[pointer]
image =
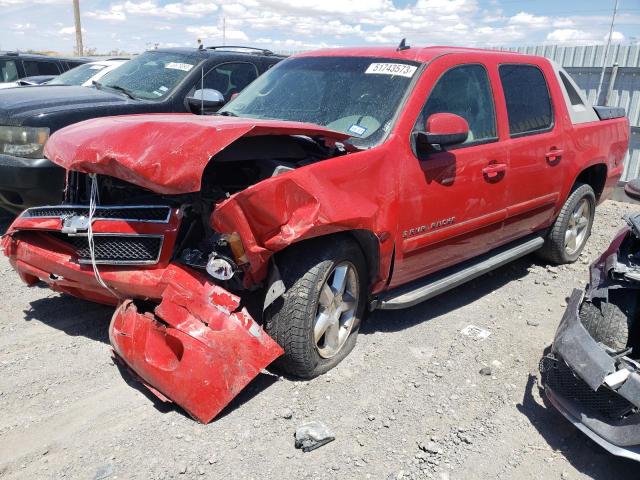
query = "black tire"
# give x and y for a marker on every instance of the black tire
(290, 319)
(611, 322)
(554, 250)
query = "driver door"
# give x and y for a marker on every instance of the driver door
(453, 199)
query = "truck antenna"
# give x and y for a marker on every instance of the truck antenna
(403, 45)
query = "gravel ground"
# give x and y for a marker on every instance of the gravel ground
(409, 402)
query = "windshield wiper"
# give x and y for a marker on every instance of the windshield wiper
(124, 90)
(227, 113)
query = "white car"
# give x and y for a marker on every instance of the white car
(87, 73)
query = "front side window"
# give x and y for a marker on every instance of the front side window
(358, 96)
(229, 78)
(151, 75)
(465, 91)
(8, 71)
(527, 97)
(33, 68)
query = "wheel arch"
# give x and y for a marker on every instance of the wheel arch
(368, 242)
(595, 176)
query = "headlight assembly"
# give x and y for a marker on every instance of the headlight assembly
(25, 142)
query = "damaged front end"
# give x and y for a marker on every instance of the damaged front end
(592, 374)
(137, 230)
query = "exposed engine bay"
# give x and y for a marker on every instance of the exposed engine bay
(246, 162)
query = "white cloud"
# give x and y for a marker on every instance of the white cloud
(185, 9)
(616, 37)
(234, 9)
(69, 31)
(115, 13)
(563, 23)
(215, 33)
(9, 3)
(291, 45)
(447, 7)
(529, 20)
(572, 36)
(22, 27)
(300, 24)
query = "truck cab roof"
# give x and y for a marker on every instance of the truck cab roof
(417, 54)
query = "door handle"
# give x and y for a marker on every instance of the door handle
(494, 169)
(554, 155)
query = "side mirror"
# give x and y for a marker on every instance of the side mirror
(205, 100)
(444, 129)
(632, 189)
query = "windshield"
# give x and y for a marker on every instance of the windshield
(78, 75)
(354, 95)
(151, 75)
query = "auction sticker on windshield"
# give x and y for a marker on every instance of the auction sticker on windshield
(179, 66)
(392, 69)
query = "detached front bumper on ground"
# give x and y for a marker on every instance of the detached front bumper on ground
(186, 338)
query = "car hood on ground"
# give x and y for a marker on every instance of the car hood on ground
(19, 104)
(166, 153)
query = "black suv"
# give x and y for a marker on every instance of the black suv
(15, 66)
(158, 81)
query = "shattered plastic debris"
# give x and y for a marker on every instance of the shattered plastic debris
(313, 435)
(477, 332)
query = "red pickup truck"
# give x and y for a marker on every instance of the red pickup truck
(338, 182)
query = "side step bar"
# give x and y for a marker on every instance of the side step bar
(437, 283)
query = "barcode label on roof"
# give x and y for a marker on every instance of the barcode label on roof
(392, 69)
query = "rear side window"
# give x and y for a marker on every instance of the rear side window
(32, 68)
(230, 78)
(8, 71)
(464, 91)
(527, 97)
(69, 64)
(574, 97)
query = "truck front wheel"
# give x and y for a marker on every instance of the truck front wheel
(316, 320)
(572, 228)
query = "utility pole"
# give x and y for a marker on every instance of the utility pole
(76, 14)
(606, 50)
(224, 31)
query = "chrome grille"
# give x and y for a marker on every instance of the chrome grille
(137, 213)
(117, 249)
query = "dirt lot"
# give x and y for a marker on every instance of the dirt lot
(408, 403)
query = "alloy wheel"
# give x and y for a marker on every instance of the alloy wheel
(578, 227)
(337, 306)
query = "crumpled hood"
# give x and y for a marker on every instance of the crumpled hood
(166, 153)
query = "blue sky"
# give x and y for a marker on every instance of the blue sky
(291, 25)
